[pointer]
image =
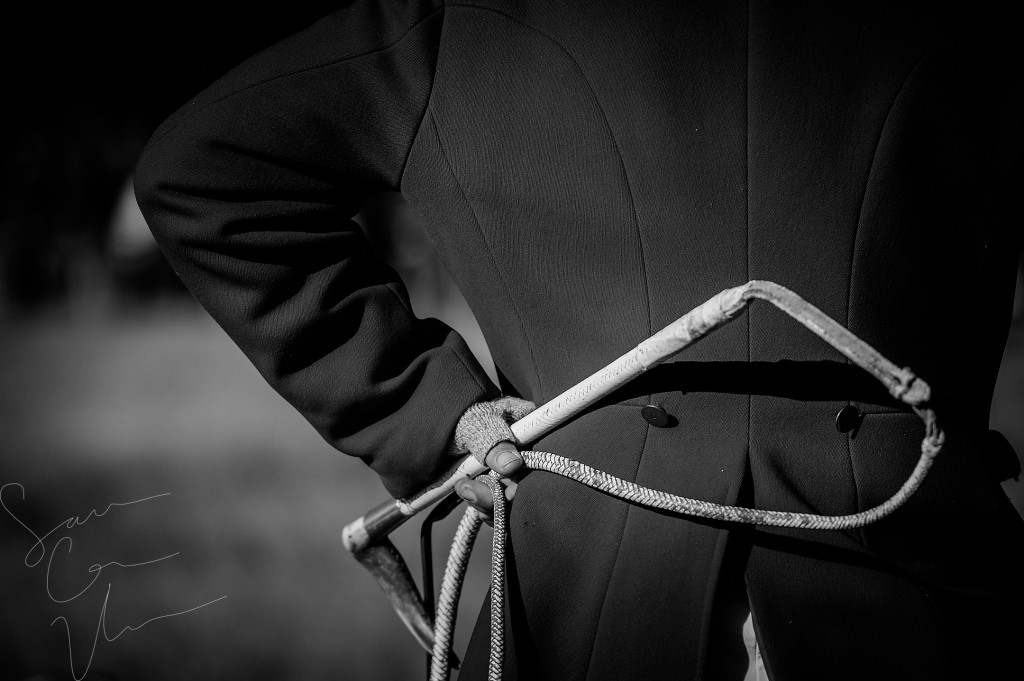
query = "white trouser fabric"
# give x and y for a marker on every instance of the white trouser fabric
(755, 666)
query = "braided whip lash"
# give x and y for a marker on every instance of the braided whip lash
(901, 382)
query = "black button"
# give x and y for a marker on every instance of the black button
(847, 418)
(656, 416)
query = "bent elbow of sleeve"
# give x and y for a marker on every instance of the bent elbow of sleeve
(153, 177)
(150, 182)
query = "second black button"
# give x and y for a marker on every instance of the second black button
(847, 418)
(656, 416)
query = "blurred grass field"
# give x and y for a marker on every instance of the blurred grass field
(115, 408)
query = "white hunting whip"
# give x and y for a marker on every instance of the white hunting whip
(367, 539)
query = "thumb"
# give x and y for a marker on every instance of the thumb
(504, 458)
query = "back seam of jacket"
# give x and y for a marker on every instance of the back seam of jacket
(749, 468)
(746, 201)
(506, 289)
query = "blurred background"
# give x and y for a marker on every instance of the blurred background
(116, 387)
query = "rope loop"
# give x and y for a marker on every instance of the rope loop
(451, 586)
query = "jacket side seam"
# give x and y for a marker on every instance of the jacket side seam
(611, 135)
(429, 99)
(490, 254)
(858, 496)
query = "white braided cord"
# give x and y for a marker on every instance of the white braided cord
(931, 445)
(630, 491)
(494, 667)
(451, 588)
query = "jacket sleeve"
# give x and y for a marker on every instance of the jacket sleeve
(250, 190)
